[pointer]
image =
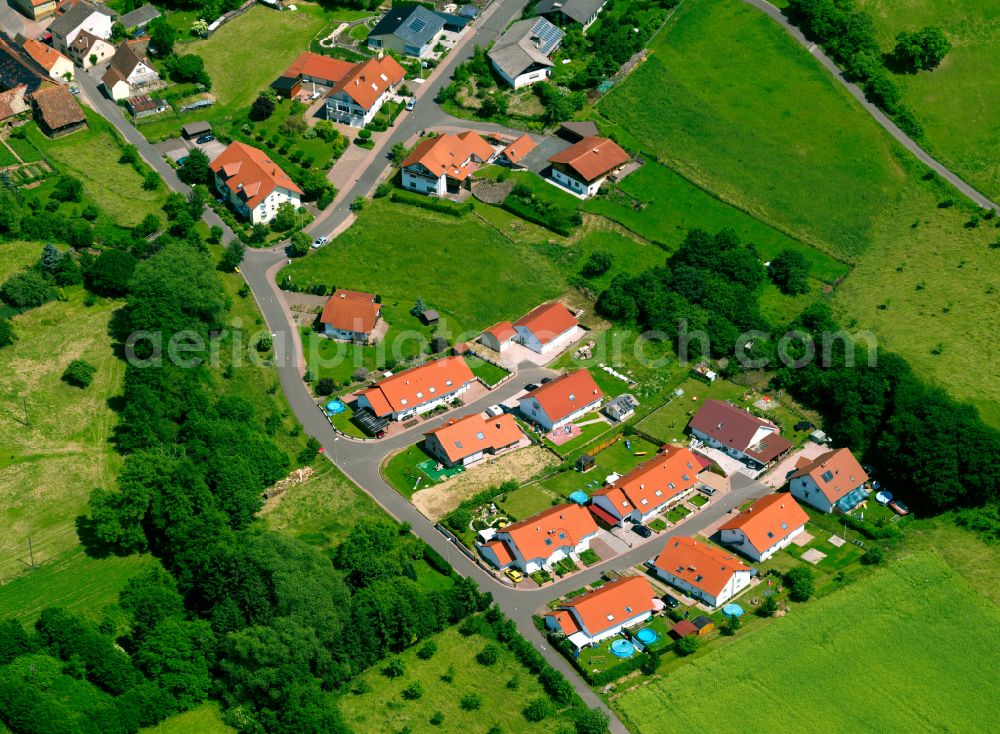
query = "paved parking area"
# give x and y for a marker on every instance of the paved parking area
(779, 474)
(177, 148)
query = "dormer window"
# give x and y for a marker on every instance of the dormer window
(480, 435)
(659, 493)
(402, 401)
(419, 394)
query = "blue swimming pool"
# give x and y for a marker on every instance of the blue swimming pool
(622, 649)
(647, 636)
(335, 406)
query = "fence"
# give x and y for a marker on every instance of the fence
(231, 15)
(470, 555)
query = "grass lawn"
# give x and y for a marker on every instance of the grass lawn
(955, 102)
(92, 156)
(820, 171)
(381, 708)
(486, 371)
(402, 473)
(668, 423)
(698, 500)
(24, 149)
(205, 719)
(470, 261)
(321, 511)
(6, 156)
(918, 614)
(678, 513)
(527, 501)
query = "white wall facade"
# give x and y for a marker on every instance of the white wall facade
(583, 637)
(344, 335)
(558, 553)
(343, 109)
(574, 185)
(737, 583)
(806, 489)
(423, 183)
(97, 24)
(409, 412)
(533, 410)
(739, 540)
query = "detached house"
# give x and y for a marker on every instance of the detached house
(547, 328)
(649, 489)
(351, 316)
(542, 539)
(82, 17)
(513, 155)
(702, 571)
(604, 612)
(130, 74)
(767, 526)
(562, 401)
(36, 9)
(311, 68)
(360, 94)
(88, 50)
(739, 433)
(418, 389)
(411, 30)
(252, 183)
(441, 165)
(831, 481)
(55, 64)
(521, 55)
(583, 167)
(571, 12)
(466, 440)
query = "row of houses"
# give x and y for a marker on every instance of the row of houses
(27, 83)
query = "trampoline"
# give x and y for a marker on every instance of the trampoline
(647, 636)
(335, 406)
(622, 649)
(732, 610)
(579, 496)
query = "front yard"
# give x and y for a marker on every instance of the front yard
(486, 371)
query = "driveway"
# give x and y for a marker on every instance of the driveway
(14, 23)
(177, 148)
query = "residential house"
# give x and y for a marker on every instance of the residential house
(702, 571)
(253, 184)
(521, 55)
(602, 613)
(138, 19)
(832, 481)
(499, 336)
(464, 441)
(312, 69)
(82, 17)
(129, 74)
(14, 101)
(765, 527)
(649, 489)
(351, 316)
(513, 155)
(408, 393)
(542, 539)
(443, 164)
(583, 167)
(546, 329)
(144, 106)
(55, 64)
(87, 50)
(56, 111)
(411, 30)
(571, 12)
(742, 435)
(360, 94)
(562, 400)
(36, 9)
(18, 68)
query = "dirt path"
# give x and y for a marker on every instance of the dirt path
(437, 501)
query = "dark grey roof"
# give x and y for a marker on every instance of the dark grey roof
(524, 44)
(72, 18)
(139, 16)
(196, 128)
(414, 24)
(578, 10)
(578, 130)
(17, 67)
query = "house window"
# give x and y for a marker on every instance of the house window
(420, 394)
(644, 502)
(686, 478)
(480, 435)
(659, 493)
(402, 401)
(628, 610)
(548, 541)
(671, 485)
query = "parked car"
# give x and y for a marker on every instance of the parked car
(514, 575)
(181, 161)
(319, 242)
(494, 410)
(546, 379)
(641, 530)
(410, 104)
(899, 507)
(670, 601)
(531, 386)
(205, 139)
(710, 491)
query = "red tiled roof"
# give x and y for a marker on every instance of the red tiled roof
(567, 622)
(613, 604)
(319, 67)
(502, 331)
(366, 82)
(448, 153)
(703, 566)
(417, 385)
(548, 321)
(475, 433)
(603, 515)
(502, 552)
(567, 394)
(44, 55)
(659, 480)
(351, 311)
(248, 172)
(592, 157)
(684, 628)
(836, 473)
(768, 520)
(561, 525)
(519, 148)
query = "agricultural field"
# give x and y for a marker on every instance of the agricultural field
(376, 703)
(916, 627)
(955, 103)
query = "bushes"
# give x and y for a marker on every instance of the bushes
(79, 373)
(429, 202)
(800, 583)
(489, 655)
(538, 709)
(27, 289)
(413, 691)
(436, 561)
(427, 650)
(534, 210)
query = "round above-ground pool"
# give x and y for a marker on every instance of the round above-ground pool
(732, 610)
(579, 496)
(647, 636)
(622, 649)
(335, 406)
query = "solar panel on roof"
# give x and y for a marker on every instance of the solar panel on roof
(416, 25)
(548, 35)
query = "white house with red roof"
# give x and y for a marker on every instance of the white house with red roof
(649, 489)
(739, 433)
(444, 163)
(359, 95)
(605, 612)
(765, 527)
(582, 167)
(559, 532)
(464, 441)
(418, 389)
(351, 316)
(832, 481)
(499, 336)
(547, 328)
(562, 400)
(707, 573)
(253, 184)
